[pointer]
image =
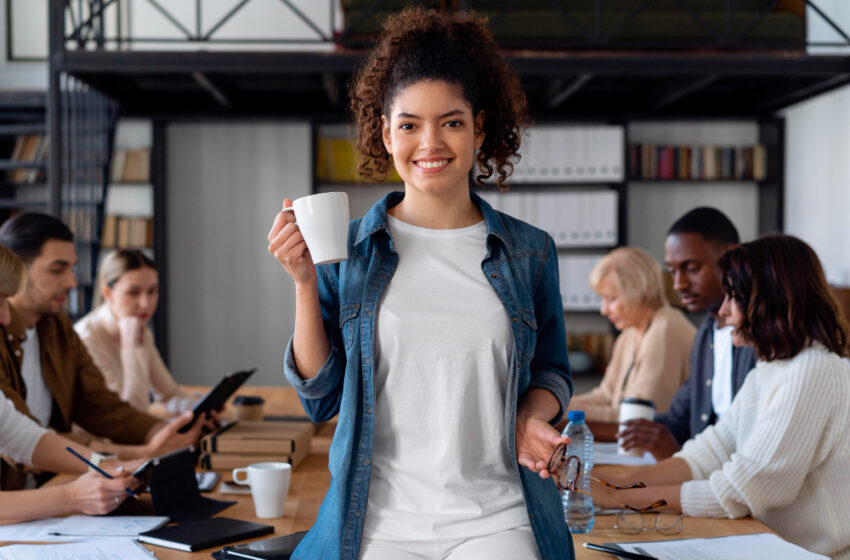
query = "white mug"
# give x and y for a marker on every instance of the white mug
(323, 221)
(269, 484)
(632, 408)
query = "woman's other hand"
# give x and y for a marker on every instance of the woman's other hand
(132, 331)
(288, 247)
(536, 439)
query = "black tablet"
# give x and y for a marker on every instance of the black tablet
(218, 395)
(277, 548)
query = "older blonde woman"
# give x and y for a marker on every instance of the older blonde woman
(650, 357)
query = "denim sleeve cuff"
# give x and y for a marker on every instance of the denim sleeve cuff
(556, 384)
(323, 383)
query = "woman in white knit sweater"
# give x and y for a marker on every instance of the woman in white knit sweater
(116, 334)
(781, 453)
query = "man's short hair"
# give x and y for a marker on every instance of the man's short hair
(708, 222)
(26, 234)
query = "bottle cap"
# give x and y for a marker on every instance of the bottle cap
(575, 416)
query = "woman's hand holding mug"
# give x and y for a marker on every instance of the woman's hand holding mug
(289, 248)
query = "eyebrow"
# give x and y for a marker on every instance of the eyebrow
(444, 115)
(60, 262)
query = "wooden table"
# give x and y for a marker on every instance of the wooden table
(310, 481)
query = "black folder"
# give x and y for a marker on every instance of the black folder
(205, 533)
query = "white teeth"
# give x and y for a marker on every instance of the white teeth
(432, 164)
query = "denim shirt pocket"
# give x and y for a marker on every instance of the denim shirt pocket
(528, 341)
(348, 322)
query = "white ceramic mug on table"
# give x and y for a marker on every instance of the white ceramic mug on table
(269, 484)
(323, 221)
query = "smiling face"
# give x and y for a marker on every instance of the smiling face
(431, 135)
(692, 261)
(730, 312)
(50, 277)
(134, 294)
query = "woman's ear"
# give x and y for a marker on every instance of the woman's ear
(385, 134)
(479, 129)
(106, 292)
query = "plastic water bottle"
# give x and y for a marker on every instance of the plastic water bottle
(578, 508)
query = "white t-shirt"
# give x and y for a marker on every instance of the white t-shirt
(440, 463)
(18, 433)
(721, 383)
(39, 399)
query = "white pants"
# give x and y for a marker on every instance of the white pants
(513, 544)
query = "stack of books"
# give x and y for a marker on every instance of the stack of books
(244, 443)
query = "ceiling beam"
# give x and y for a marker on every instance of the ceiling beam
(556, 94)
(216, 93)
(669, 94)
(799, 94)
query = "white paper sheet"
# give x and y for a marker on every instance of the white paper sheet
(111, 526)
(738, 547)
(605, 453)
(113, 549)
(31, 531)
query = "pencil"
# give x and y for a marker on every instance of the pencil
(618, 552)
(98, 469)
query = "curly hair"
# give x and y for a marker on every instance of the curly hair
(779, 284)
(419, 44)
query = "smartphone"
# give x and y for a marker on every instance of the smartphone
(278, 548)
(217, 396)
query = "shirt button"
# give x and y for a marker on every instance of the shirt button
(494, 275)
(514, 319)
(18, 352)
(366, 461)
(356, 514)
(10, 337)
(704, 417)
(708, 383)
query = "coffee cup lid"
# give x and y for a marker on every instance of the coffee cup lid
(635, 400)
(243, 400)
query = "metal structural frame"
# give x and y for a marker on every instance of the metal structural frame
(598, 77)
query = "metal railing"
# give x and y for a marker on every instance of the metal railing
(108, 24)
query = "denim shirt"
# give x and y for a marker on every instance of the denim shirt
(522, 266)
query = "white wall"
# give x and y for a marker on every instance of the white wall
(231, 304)
(24, 75)
(817, 167)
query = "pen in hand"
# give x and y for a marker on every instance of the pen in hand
(618, 552)
(98, 469)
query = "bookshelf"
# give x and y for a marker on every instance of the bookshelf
(24, 149)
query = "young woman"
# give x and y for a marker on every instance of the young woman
(650, 357)
(781, 452)
(440, 341)
(116, 335)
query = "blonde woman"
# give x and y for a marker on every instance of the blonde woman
(117, 336)
(650, 357)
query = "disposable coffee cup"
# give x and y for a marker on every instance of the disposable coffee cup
(323, 221)
(632, 408)
(269, 484)
(248, 407)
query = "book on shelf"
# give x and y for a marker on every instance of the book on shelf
(131, 166)
(28, 148)
(653, 162)
(336, 162)
(123, 232)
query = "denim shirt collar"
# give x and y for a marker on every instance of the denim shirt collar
(376, 219)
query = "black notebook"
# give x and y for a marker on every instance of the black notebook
(276, 548)
(205, 533)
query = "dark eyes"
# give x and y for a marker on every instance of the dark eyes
(451, 124)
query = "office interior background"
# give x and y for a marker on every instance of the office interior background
(195, 160)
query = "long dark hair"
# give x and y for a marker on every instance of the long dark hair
(779, 284)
